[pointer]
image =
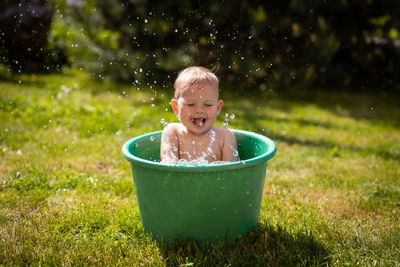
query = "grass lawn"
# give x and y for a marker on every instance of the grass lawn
(331, 197)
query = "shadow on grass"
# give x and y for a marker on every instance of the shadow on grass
(267, 245)
(368, 105)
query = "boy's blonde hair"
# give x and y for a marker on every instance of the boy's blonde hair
(194, 74)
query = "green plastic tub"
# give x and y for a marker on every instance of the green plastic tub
(210, 203)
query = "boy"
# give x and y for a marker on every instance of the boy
(197, 106)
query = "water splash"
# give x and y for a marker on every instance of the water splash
(190, 163)
(219, 162)
(163, 122)
(235, 152)
(226, 121)
(194, 157)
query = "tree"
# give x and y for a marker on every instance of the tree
(24, 27)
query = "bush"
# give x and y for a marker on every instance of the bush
(289, 42)
(24, 27)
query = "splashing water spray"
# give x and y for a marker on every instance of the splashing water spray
(227, 117)
(200, 160)
(163, 122)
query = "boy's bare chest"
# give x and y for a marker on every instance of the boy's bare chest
(200, 149)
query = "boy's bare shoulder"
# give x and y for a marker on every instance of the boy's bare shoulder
(171, 128)
(224, 132)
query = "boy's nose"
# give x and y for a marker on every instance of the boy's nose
(199, 109)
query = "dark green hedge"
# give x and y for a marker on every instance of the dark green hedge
(288, 42)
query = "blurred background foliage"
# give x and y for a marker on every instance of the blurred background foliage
(347, 43)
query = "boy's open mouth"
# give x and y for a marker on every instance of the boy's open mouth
(199, 122)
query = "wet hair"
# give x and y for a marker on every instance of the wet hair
(192, 75)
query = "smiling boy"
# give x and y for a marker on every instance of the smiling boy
(196, 103)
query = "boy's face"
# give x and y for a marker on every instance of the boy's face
(198, 107)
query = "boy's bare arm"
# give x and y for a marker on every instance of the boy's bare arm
(229, 149)
(169, 145)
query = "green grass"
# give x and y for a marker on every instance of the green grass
(331, 197)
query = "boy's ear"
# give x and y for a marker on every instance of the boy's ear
(174, 106)
(220, 104)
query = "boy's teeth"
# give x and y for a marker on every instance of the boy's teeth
(198, 122)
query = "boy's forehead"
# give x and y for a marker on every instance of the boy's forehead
(198, 87)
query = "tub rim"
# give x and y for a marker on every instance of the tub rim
(202, 168)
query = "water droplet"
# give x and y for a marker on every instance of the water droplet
(250, 205)
(248, 192)
(235, 153)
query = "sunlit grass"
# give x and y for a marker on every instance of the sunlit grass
(332, 192)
